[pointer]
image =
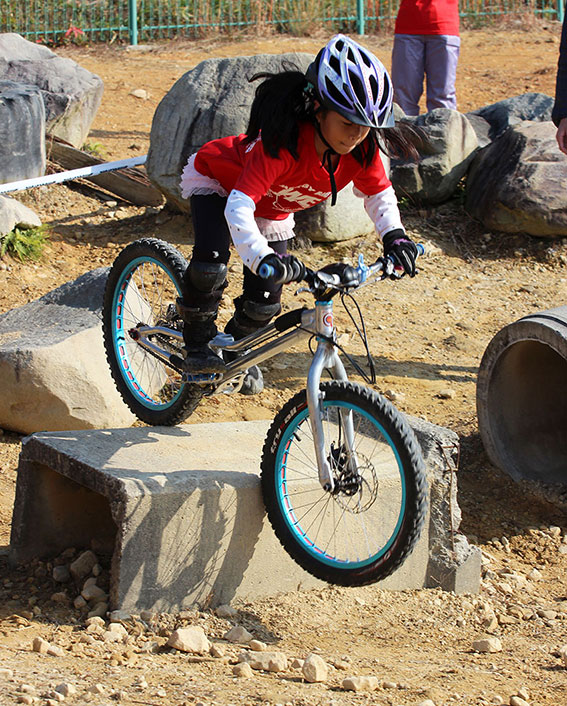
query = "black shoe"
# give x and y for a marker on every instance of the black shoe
(202, 360)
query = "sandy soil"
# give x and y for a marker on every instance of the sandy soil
(427, 336)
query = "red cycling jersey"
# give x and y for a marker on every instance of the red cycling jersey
(283, 185)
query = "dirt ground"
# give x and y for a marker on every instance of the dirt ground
(428, 336)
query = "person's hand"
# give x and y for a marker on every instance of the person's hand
(287, 268)
(401, 249)
(561, 135)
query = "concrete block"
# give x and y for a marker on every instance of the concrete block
(178, 513)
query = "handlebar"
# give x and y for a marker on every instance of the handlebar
(382, 264)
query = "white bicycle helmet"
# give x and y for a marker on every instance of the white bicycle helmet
(353, 82)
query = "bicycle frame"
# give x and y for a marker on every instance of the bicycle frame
(263, 345)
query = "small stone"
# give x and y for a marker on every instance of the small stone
(6, 673)
(99, 610)
(217, 651)
(226, 611)
(315, 668)
(66, 689)
(120, 616)
(40, 645)
(61, 574)
(360, 683)
(257, 646)
(518, 701)
(94, 593)
(83, 565)
(238, 634)
(446, 394)
(487, 644)
(266, 661)
(243, 670)
(191, 639)
(96, 689)
(427, 702)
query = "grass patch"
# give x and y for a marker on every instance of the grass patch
(25, 244)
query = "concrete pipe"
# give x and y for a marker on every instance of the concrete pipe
(522, 398)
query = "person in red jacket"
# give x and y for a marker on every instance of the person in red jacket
(308, 136)
(426, 43)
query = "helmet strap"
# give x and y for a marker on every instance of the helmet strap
(327, 157)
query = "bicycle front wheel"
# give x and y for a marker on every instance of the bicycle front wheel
(363, 529)
(142, 287)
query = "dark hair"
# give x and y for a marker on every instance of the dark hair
(284, 100)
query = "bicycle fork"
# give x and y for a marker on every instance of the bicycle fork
(326, 357)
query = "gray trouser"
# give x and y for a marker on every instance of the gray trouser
(433, 55)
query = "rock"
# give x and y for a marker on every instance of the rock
(518, 701)
(40, 645)
(22, 132)
(66, 689)
(71, 94)
(511, 111)
(61, 574)
(563, 654)
(191, 639)
(213, 100)
(516, 184)
(238, 634)
(53, 365)
(487, 644)
(83, 564)
(226, 611)
(449, 146)
(314, 668)
(93, 593)
(257, 646)
(362, 683)
(266, 661)
(14, 214)
(243, 670)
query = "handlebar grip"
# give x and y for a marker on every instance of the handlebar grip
(420, 248)
(265, 271)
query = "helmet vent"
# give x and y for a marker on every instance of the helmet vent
(335, 94)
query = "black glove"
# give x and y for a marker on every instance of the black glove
(401, 249)
(287, 268)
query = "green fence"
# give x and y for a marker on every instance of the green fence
(58, 21)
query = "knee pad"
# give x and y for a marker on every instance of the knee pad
(205, 276)
(250, 316)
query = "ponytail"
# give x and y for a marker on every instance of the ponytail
(281, 102)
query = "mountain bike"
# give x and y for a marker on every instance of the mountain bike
(342, 474)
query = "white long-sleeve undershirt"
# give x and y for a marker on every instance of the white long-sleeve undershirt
(252, 246)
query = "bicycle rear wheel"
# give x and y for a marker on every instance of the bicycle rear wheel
(365, 528)
(142, 287)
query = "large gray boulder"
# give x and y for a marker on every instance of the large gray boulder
(493, 120)
(22, 132)
(517, 183)
(213, 100)
(14, 214)
(71, 94)
(52, 363)
(448, 147)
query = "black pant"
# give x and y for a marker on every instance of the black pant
(212, 245)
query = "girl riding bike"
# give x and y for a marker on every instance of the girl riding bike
(309, 135)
